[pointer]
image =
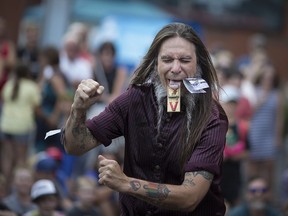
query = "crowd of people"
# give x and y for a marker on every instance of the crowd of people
(253, 97)
(37, 87)
(37, 90)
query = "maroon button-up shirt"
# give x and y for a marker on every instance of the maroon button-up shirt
(151, 157)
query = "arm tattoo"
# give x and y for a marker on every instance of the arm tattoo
(208, 176)
(189, 181)
(156, 191)
(135, 185)
(80, 131)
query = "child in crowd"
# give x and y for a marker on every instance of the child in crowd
(45, 196)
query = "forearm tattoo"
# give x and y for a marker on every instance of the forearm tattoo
(154, 193)
(80, 132)
(135, 185)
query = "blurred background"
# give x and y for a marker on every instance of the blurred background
(56, 43)
(230, 22)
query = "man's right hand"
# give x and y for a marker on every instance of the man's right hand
(87, 93)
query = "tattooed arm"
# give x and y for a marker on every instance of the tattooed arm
(184, 197)
(76, 137)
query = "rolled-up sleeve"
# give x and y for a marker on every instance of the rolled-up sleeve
(109, 124)
(208, 153)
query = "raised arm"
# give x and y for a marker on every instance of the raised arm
(76, 137)
(184, 197)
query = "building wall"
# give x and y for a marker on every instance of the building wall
(12, 12)
(233, 39)
(237, 42)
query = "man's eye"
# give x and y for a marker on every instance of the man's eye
(167, 60)
(185, 60)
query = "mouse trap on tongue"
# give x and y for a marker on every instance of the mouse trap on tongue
(173, 99)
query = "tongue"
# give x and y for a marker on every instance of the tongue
(174, 84)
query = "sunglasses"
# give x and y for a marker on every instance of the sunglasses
(258, 190)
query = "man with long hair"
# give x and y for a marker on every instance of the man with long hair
(173, 159)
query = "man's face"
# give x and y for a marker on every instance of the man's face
(176, 60)
(47, 204)
(72, 50)
(257, 194)
(23, 181)
(87, 195)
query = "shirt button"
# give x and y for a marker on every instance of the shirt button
(148, 213)
(157, 167)
(160, 145)
(168, 119)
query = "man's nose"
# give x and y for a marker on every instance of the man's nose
(176, 67)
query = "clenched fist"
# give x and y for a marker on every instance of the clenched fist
(111, 175)
(87, 93)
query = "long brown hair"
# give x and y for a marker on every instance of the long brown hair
(202, 111)
(21, 70)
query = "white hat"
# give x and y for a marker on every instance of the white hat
(42, 187)
(229, 93)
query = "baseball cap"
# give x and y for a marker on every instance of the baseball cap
(45, 163)
(41, 188)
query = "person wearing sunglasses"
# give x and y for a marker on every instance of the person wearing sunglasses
(256, 201)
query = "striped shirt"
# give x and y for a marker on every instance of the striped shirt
(151, 157)
(263, 130)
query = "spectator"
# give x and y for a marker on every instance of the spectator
(224, 58)
(21, 97)
(28, 51)
(46, 167)
(7, 54)
(73, 65)
(109, 73)
(81, 31)
(85, 194)
(236, 147)
(19, 201)
(250, 72)
(265, 131)
(257, 44)
(232, 77)
(57, 98)
(4, 209)
(44, 194)
(257, 200)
